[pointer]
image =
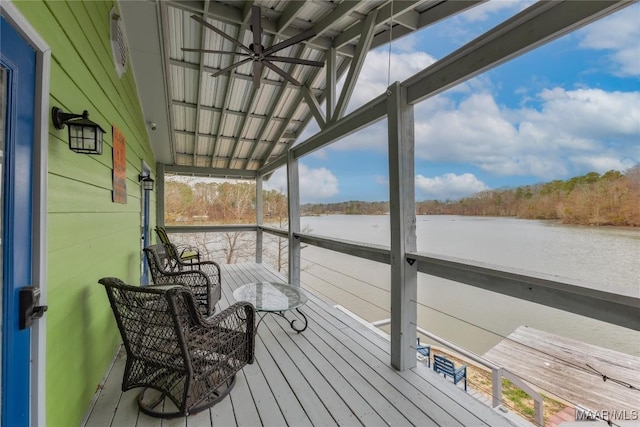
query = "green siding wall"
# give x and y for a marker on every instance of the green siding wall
(89, 237)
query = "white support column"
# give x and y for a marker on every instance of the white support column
(293, 194)
(259, 216)
(160, 194)
(404, 276)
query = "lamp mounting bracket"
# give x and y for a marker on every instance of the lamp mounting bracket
(59, 117)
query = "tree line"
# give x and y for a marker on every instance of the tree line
(612, 198)
(188, 202)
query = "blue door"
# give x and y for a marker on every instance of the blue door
(17, 97)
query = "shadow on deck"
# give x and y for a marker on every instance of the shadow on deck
(337, 372)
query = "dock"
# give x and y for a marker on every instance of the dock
(557, 367)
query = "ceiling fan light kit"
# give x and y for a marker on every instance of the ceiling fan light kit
(256, 52)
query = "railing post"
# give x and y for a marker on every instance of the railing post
(293, 196)
(404, 274)
(496, 387)
(537, 407)
(259, 216)
(160, 194)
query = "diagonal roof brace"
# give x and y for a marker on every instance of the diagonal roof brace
(366, 37)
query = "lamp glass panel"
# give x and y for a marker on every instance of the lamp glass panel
(85, 139)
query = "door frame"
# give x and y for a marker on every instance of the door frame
(40, 169)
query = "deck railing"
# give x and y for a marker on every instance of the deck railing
(567, 295)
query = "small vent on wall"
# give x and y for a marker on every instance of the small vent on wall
(118, 43)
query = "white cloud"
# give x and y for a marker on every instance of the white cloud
(374, 77)
(569, 132)
(448, 186)
(381, 180)
(618, 34)
(316, 184)
(549, 142)
(484, 11)
(602, 163)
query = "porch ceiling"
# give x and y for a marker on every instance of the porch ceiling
(224, 122)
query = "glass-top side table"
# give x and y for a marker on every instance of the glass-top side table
(276, 298)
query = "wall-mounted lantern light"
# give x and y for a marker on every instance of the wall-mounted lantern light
(147, 182)
(85, 136)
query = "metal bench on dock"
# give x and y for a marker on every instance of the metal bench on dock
(444, 366)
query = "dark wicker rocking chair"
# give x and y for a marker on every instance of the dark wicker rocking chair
(174, 350)
(203, 277)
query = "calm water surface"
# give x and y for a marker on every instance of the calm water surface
(599, 257)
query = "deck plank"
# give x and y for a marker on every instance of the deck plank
(110, 392)
(222, 414)
(336, 372)
(274, 395)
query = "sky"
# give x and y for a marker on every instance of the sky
(565, 109)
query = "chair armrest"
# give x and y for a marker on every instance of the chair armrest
(204, 291)
(233, 327)
(210, 268)
(188, 248)
(462, 370)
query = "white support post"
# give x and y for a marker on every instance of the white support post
(160, 194)
(496, 387)
(404, 275)
(259, 216)
(293, 194)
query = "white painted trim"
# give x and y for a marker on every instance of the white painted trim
(293, 194)
(41, 156)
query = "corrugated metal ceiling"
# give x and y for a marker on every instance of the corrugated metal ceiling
(224, 121)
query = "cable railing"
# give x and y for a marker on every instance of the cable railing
(498, 373)
(465, 271)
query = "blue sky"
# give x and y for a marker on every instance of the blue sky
(565, 109)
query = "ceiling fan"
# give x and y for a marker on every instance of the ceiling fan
(256, 52)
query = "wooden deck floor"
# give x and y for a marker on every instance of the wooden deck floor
(336, 372)
(558, 366)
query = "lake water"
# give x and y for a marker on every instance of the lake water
(601, 257)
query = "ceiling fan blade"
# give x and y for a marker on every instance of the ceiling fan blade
(257, 74)
(220, 32)
(282, 73)
(188, 49)
(230, 67)
(294, 61)
(293, 40)
(256, 26)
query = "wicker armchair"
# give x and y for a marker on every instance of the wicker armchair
(172, 349)
(203, 278)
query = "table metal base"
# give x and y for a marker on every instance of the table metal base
(291, 322)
